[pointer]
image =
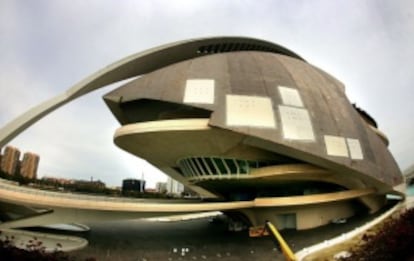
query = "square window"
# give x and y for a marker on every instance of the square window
(296, 123)
(290, 96)
(199, 91)
(336, 146)
(251, 111)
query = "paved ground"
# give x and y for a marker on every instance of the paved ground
(193, 240)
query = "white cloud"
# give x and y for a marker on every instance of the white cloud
(47, 46)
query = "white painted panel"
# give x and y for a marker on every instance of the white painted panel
(336, 146)
(296, 123)
(290, 96)
(199, 91)
(355, 149)
(251, 111)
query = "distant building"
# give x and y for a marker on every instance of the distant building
(89, 183)
(17, 169)
(117, 188)
(151, 190)
(75, 184)
(10, 160)
(174, 187)
(29, 165)
(136, 185)
(58, 181)
(161, 187)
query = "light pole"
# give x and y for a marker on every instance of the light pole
(141, 184)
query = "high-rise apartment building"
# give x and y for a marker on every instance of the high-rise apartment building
(174, 187)
(161, 187)
(29, 165)
(9, 160)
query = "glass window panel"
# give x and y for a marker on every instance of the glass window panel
(232, 166)
(207, 166)
(189, 169)
(183, 168)
(201, 166)
(198, 169)
(211, 166)
(193, 167)
(220, 164)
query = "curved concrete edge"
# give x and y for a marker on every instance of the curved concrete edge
(380, 134)
(302, 254)
(76, 227)
(313, 199)
(162, 125)
(185, 217)
(400, 190)
(126, 68)
(51, 242)
(25, 120)
(300, 172)
(27, 196)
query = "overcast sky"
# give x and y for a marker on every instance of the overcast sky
(48, 46)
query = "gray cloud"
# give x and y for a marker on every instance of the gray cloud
(47, 46)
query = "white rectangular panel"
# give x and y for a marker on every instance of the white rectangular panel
(199, 91)
(251, 111)
(336, 146)
(355, 149)
(290, 96)
(296, 123)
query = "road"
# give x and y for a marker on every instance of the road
(193, 240)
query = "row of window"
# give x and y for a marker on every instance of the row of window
(235, 46)
(205, 166)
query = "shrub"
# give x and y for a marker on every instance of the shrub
(35, 251)
(393, 241)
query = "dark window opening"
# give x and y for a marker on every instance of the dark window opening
(211, 166)
(232, 166)
(153, 110)
(197, 167)
(202, 166)
(220, 165)
(224, 166)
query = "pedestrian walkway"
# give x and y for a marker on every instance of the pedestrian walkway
(304, 253)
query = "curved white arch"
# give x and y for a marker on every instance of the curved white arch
(131, 66)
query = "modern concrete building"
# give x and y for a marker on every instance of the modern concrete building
(10, 160)
(244, 119)
(29, 165)
(249, 125)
